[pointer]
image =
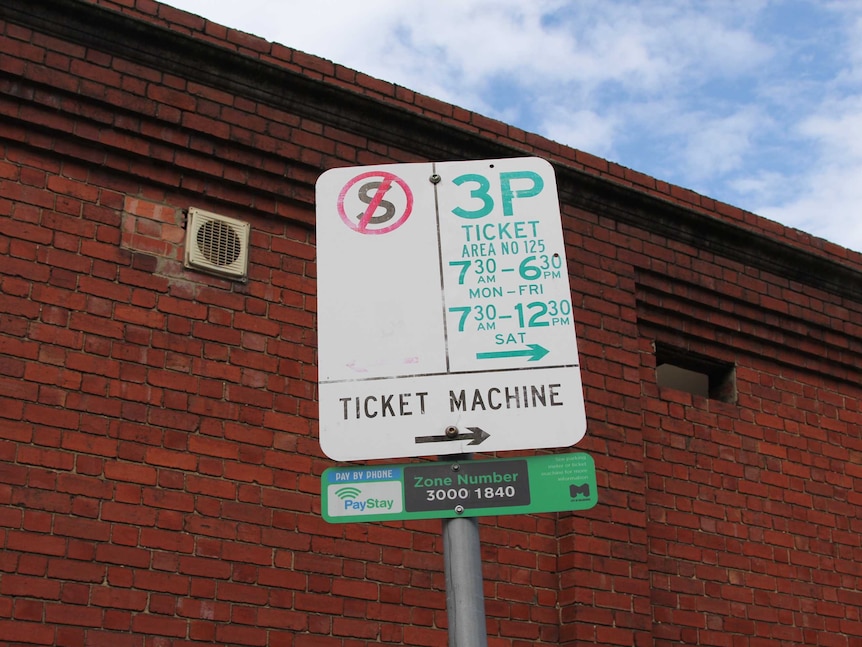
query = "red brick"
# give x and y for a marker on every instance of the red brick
(239, 635)
(159, 498)
(164, 458)
(73, 615)
(122, 555)
(82, 528)
(45, 457)
(30, 633)
(31, 587)
(152, 625)
(115, 598)
(129, 472)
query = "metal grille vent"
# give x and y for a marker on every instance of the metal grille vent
(217, 244)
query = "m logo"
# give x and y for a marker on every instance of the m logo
(579, 490)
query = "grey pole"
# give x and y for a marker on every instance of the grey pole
(465, 599)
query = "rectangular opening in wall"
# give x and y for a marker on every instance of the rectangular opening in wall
(696, 374)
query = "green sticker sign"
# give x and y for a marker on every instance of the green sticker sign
(534, 484)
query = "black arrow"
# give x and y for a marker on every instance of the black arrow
(476, 436)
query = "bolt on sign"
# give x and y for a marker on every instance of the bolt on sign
(445, 320)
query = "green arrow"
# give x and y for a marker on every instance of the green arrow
(535, 352)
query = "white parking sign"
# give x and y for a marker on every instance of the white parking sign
(445, 320)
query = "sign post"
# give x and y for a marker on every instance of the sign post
(445, 327)
(445, 321)
(465, 598)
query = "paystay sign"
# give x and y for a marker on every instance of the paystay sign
(445, 320)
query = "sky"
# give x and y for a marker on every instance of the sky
(756, 103)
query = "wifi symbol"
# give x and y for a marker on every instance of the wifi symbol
(348, 493)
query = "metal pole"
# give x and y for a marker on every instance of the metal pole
(465, 599)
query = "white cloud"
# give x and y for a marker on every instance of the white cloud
(582, 129)
(744, 101)
(827, 199)
(837, 128)
(716, 146)
(829, 205)
(767, 186)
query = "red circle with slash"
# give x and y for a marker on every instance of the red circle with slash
(372, 220)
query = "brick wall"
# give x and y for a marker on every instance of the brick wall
(159, 462)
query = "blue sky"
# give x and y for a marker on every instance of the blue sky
(757, 103)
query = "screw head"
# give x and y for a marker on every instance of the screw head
(459, 509)
(451, 431)
(434, 179)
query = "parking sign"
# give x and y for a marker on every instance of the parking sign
(445, 321)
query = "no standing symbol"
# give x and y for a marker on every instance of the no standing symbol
(375, 202)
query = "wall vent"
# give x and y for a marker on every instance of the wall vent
(217, 244)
